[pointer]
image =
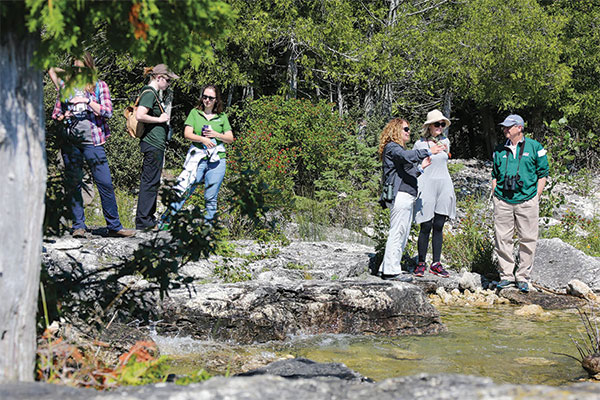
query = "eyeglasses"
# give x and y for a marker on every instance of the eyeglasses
(438, 124)
(205, 97)
(406, 129)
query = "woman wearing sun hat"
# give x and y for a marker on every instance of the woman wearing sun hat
(436, 201)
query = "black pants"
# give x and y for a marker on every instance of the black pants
(437, 223)
(149, 185)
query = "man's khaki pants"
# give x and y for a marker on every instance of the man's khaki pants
(523, 217)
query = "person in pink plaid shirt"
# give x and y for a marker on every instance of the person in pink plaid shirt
(84, 115)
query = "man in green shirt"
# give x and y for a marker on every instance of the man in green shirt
(518, 179)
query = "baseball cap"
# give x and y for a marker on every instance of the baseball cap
(512, 120)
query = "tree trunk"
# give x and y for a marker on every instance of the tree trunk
(340, 99)
(369, 106)
(447, 108)
(489, 132)
(23, 183)
(230, 96)
(293, 70)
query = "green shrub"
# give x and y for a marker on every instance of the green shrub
(289, 141)
(579, 232)
(470, 244)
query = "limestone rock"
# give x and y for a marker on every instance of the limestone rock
(303, 368)
(557, 263)
(577, 288)
(470, 281)
(270, 387)
(530, 310)
(259, 312)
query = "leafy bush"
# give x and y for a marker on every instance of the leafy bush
(289, 141)
(470, 244)
(579, 232)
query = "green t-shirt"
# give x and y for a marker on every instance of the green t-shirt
(532, 167)
(218, 123)
(154, 134)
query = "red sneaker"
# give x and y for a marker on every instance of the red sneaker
(437, 269)
(420, 269)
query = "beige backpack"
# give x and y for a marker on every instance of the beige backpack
(134, 127)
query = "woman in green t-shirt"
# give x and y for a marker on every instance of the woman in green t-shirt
(207, 127)
(151, 113)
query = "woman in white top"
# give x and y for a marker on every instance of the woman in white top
(436, 201)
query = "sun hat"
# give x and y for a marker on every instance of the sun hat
(512, 120)
(161, 69)
(434, 116)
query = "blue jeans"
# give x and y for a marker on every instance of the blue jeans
(212, 173)
(95, 157)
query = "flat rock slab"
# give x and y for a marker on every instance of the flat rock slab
(556, 263)
(259, 311)
(547, 301)
(270, 387)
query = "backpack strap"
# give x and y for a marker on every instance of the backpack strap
(137, 101)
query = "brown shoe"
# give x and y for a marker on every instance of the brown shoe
(78, 233)
(122, 233)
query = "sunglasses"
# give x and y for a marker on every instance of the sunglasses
(205, 97)
(438, 124)
(406, 129)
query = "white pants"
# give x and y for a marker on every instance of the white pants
(400, 221)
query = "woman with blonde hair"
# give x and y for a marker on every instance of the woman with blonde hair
(151, 112)
(400, 170)
(436, 199)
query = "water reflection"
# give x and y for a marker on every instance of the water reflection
(486, 342)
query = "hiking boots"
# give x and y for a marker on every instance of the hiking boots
(78, 233)
(123, 233)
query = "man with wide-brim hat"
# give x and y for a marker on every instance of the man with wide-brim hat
(519, 176)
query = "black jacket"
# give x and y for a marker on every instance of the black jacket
(400, 167)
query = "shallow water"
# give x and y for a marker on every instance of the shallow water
(485, 342)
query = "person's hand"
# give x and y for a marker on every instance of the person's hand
(426, 163)
(164, 117)
(207, 142)
(78, 99)
(210, 133)
(437, 148)
(68, 114)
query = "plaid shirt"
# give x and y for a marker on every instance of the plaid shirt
(100, 130)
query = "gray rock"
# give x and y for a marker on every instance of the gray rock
(304, 368)
(556, 263)
(469, 281)
(577, 288)
(259, 311)
(269, 387)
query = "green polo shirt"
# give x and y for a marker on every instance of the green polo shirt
(154, 134)
(532, 167)
(219, 123)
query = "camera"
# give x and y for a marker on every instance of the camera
(512, 183)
